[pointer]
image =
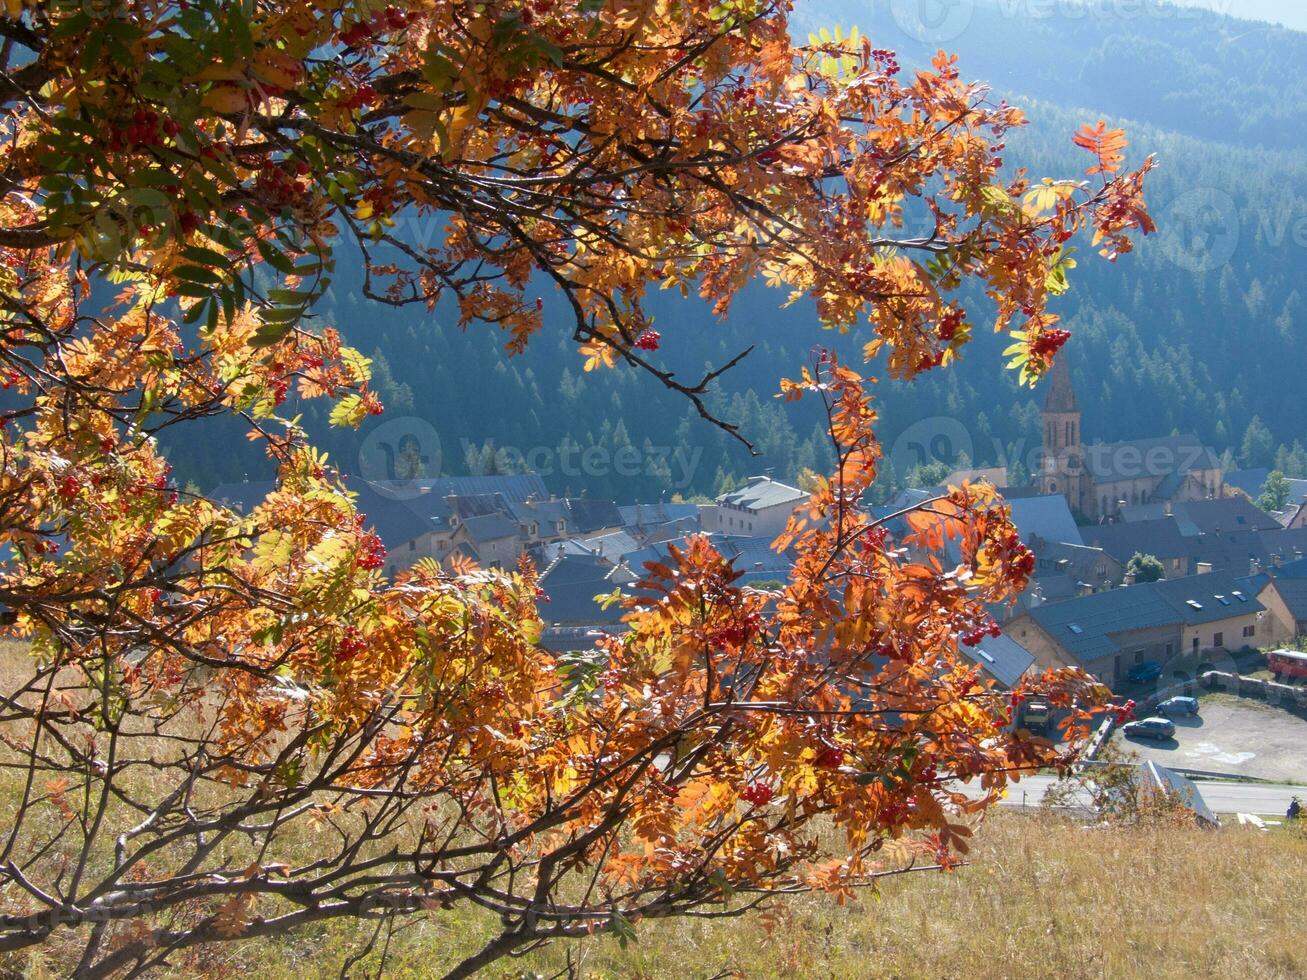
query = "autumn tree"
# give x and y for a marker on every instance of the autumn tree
(225, 725)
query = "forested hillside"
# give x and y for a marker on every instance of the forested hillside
(1202, 329)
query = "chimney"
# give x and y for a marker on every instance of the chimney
(1254, 567)
(1204, 567)
(1130, 577)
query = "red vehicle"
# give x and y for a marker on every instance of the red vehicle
(1288, 664)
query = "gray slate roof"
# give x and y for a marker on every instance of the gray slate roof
(1084, 626)
(1208, 598)
(1162, 456)
(1002, 657)
(762, 492)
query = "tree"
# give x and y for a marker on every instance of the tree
(1275, 492)
(1258, 446)
(234, 724)
(1145, 568)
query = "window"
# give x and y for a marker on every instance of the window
(1139, 656)
(413, 545)
(1249, 631)
(1218, 640)
(1170, 649)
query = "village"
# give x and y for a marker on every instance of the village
(1154, 568)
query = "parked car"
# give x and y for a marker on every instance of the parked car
(1178, 706)
(1156, 728)
(1149, 670)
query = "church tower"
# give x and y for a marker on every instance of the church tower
(1062, 462)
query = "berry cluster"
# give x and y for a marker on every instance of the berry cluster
(976, 636)
(758, 794)
(350, 645)
(948, 326)
(373, 554)
(364, 95)
(648, 340)
(278, 184)
(1048, 343)
(381, 22)
(69, 488)
(145, 129)
(829, 757)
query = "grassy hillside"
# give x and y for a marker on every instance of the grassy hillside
(1043, 898)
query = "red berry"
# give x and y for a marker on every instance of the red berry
(648, 340)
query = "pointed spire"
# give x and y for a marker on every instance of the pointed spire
(1061, 396)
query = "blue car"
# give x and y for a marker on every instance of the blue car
(1146, 672)
(1156, 728)
(1178, 706)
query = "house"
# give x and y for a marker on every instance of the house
(1219, 611)
(1065, 570)
(1180, 553)
(760, 508)
(1098, 480)
(1108, 633)
(1231, 514)
(568, 588)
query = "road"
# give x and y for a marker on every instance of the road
(1221, 797)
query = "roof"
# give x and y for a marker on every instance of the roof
(1294, 593)
(1160, 538)
(1211, 597)
(1048, 517)
(1154, 778)
(1226, 514)
(569, 587)
(1161, 457)
(762, 492)
(1253, 481)
(659, 513)
(516, 487)
(586, 515)
(1002, 657)
(612, 547)
(1085, 627)
(490, 527)
(1061, 395)
(1286, 543)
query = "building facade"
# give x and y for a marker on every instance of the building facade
(1099, 480)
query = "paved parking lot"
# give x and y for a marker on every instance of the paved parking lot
(1234, 735)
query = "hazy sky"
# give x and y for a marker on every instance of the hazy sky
(1290, 13)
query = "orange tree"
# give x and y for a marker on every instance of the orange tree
(230, 725)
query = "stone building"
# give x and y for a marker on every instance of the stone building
(1098, 480)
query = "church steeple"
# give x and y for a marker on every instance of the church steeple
(1061, 469)
(1061, 397)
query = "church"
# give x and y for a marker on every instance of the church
(1098, 480)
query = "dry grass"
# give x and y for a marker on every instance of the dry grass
(1043, 897)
